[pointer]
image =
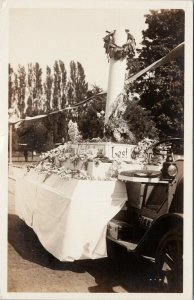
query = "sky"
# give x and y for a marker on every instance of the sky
(46, 35)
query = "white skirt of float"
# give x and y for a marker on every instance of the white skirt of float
(70, 217)
(116, 79)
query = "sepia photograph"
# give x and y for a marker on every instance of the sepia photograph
(98, 118)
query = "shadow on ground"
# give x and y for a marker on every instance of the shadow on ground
(134, 275)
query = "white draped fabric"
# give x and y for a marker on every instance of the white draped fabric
(69, 216)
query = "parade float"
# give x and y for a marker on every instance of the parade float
(69, 197)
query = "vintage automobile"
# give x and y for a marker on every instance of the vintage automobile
(151, 222)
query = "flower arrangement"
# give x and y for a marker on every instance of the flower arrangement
(66, 162)
(143, 153)
(53, 162)
(73, 132)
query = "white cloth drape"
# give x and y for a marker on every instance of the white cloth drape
(69, 216)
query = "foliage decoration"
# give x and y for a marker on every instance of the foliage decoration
(119, 52)
(129, 122)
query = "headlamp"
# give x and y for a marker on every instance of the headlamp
(172, 170)
(169, 169)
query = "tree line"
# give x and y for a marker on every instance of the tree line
(33, 95)
(157, 113)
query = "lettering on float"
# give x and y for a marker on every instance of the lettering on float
(94, 148)
(122, 152)
(119, 153)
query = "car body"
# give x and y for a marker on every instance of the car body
(151, 222)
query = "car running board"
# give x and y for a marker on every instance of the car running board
(128, 245)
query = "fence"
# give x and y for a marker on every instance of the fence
(18, 156)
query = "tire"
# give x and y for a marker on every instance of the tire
(169, 261)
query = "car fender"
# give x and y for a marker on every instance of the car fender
(158, 228)
(176, 205)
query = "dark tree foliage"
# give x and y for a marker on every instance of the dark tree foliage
(91, 118)
(162, 90)
(165, 31)
(140, 122)
(34, 134)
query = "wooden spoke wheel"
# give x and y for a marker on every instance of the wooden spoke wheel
(169, 261)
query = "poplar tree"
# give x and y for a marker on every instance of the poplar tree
(56, 101)
(29, 108)
(48, 89)
(21, 81)
(11, 90)
(63, 83)
(37, 89)
(79, 85)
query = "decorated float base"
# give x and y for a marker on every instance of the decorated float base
(71, 195)
(92, 160)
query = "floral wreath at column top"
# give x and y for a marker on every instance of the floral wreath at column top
(119, 52)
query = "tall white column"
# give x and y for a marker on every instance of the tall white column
(117, 70)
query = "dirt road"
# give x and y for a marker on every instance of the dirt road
(32, 269)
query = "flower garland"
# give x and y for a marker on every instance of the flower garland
(119, 52)
(52, 162)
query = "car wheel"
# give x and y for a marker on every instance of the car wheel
(169, 261)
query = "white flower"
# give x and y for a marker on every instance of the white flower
(98, 114)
